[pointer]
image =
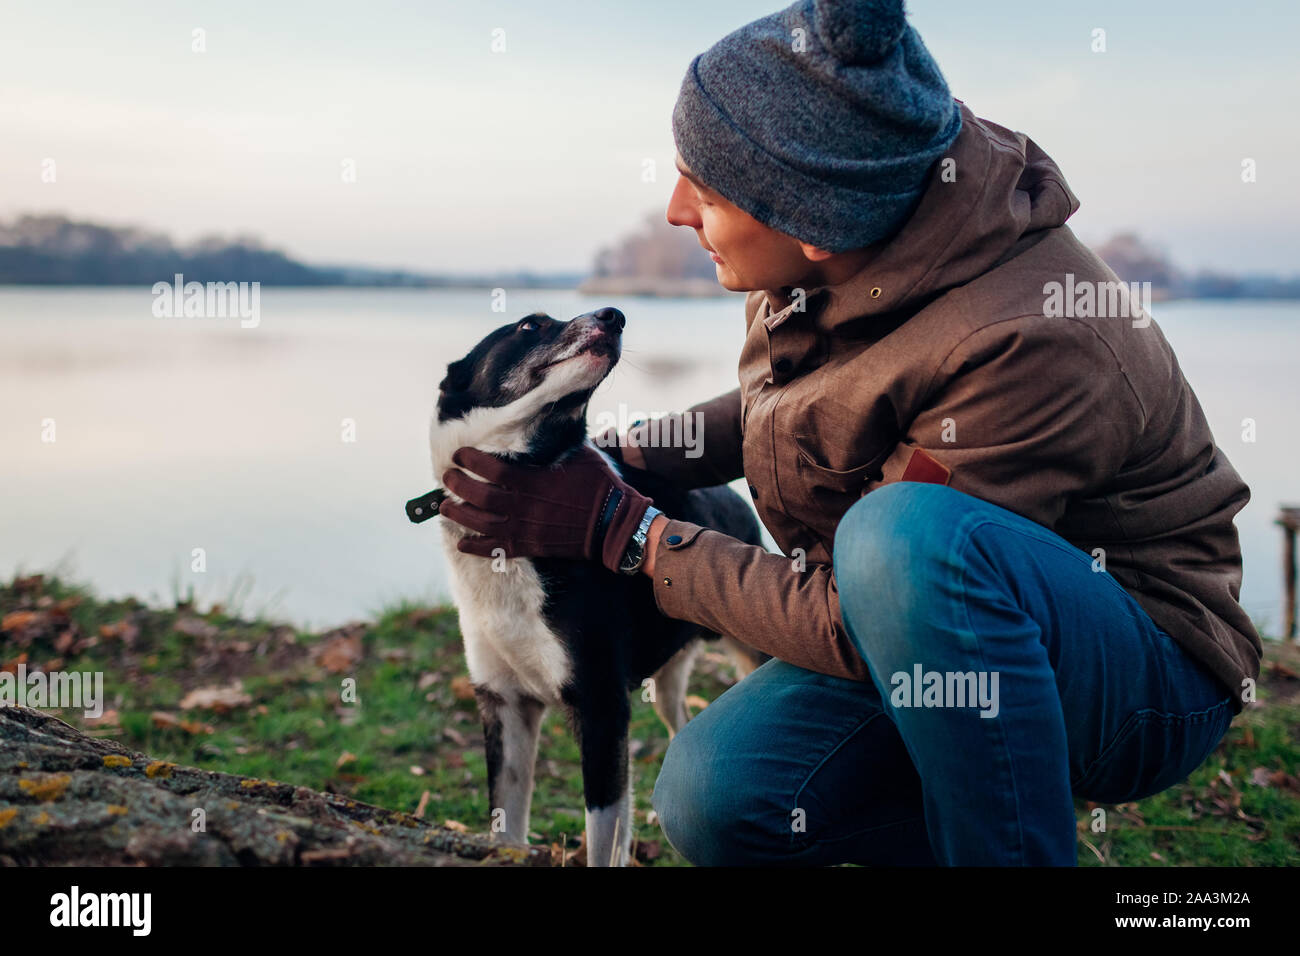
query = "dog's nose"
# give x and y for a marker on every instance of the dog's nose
(610, 318)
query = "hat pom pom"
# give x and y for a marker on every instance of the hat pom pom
(859, 32)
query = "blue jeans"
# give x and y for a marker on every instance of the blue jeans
(1082, 695)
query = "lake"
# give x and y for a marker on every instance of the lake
(286, 451)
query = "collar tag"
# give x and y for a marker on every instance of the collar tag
(426, 506)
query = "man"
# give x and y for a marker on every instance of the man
(1010, 571)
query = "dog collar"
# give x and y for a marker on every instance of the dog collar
(426, 506)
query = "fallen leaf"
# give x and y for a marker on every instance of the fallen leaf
(455, 825)
(455, 736)
(19, 620)
(462, 688)
(1278, 669)
(192, 626)
(341, 652)
(164, 721)
(696, 701)
(107, 719)
(220, 699)
(424, 802)
(647, 851)
(345, 758)
(124, 630)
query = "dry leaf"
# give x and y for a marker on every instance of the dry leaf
(341, 653)
(219, 699)
(196, 627)
(107, 719)
(345, 758)
(455, 825)
(18, 620)
(461, 688)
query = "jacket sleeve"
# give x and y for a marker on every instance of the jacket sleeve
(766, 600)
(692, 449)
(1024, 436)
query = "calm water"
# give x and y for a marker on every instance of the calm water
(176, 434)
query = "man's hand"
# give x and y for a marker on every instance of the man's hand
(577, 509)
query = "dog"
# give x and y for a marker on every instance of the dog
(555, 633)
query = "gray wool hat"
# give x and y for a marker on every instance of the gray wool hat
(820, 121)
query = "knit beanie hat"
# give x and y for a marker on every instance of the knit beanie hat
(820, 121)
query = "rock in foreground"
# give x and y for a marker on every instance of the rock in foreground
(69, 799)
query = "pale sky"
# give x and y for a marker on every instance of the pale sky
(471, 160)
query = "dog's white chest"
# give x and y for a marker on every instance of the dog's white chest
(508, 644)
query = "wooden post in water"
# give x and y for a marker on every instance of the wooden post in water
(1289, 519)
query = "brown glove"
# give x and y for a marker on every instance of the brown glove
(576, 509)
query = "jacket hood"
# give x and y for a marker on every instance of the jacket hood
(992, 188)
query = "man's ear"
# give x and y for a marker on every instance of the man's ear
(813, 254)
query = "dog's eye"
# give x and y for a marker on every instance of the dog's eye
(527, 325)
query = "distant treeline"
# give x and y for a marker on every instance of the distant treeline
(1136, 261)
(654, 259)
(55, 250)
(661, 259)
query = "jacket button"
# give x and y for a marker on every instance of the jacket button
(783, 366)
(668, 582)
(674, 539)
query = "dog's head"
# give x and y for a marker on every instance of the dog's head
(543, 370)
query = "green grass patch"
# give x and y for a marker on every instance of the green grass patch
(412, 734)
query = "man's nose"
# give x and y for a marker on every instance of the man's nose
(680, 212)
(609, 318)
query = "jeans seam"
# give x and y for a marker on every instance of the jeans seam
(979, 647)
(807, 840)
(1142, 717)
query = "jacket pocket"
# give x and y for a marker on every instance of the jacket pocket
(821, 495)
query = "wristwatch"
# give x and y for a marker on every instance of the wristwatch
(634, 556)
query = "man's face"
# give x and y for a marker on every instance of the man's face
(747, 254)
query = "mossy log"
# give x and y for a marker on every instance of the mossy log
(69, 799)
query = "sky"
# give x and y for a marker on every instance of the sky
(466, 159)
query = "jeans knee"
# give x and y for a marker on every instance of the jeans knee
(893, 550)
(706, 804)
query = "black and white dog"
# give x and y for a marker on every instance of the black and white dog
(545, 633)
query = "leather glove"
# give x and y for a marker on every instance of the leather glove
(576, 509)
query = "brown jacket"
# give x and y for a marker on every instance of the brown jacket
(943, 361)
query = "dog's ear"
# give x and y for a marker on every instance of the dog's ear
(459, 374)
(454, 399)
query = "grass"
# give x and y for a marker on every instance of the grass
(412, 737)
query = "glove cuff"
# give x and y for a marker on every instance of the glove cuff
(613, 535)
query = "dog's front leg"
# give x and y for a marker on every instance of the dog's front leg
(511, 724)
(606, 782)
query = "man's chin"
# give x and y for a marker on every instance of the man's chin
(730, 281)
